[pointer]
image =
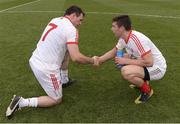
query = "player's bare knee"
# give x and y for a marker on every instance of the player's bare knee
(125, 72)
(59, 100)
(125, 76)
(131, 77)
(56, 101)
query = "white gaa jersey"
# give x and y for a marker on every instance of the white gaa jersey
(138, 45)
(52, 46)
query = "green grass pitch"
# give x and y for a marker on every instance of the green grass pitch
(99, 95)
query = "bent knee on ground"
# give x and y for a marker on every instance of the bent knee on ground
(56, 101)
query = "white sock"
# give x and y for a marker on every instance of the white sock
(29, 102)
(64, 76)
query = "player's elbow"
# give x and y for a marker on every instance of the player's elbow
(75, 58)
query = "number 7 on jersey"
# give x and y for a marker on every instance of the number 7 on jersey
(53, 26)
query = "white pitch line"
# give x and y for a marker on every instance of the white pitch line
(133, 14)
(100, 13)
(36, 11)
(18, 6)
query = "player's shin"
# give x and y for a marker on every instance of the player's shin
(29, 102)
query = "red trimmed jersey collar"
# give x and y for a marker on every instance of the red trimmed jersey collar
(127, 39)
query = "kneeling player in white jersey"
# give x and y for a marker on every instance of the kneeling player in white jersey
(49, 60)
(142, 62)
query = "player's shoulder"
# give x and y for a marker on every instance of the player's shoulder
(54, 19)
(136, 35)
(62, 20)
(70, 28)
(64, 23)
(67, 23)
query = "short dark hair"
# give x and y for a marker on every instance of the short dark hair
(74, 9)
(123, 20)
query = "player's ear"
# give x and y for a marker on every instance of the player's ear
(121, 28)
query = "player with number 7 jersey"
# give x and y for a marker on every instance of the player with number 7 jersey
(52, 45)
(49, 61)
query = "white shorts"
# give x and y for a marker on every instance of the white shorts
(155, 73)
(50, 81)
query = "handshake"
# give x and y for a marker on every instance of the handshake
(96, 60)
(119, 61)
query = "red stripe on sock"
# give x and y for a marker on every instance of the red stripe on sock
(145, 87)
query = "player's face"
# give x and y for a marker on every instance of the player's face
(117, 30)
(78, 20)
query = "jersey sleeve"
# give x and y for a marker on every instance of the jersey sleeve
(71, 36)
(140, 45)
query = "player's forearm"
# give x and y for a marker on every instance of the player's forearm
(107, 56)
(84, 59)
(139, 62)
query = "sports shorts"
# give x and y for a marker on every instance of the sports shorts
(50, 81)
